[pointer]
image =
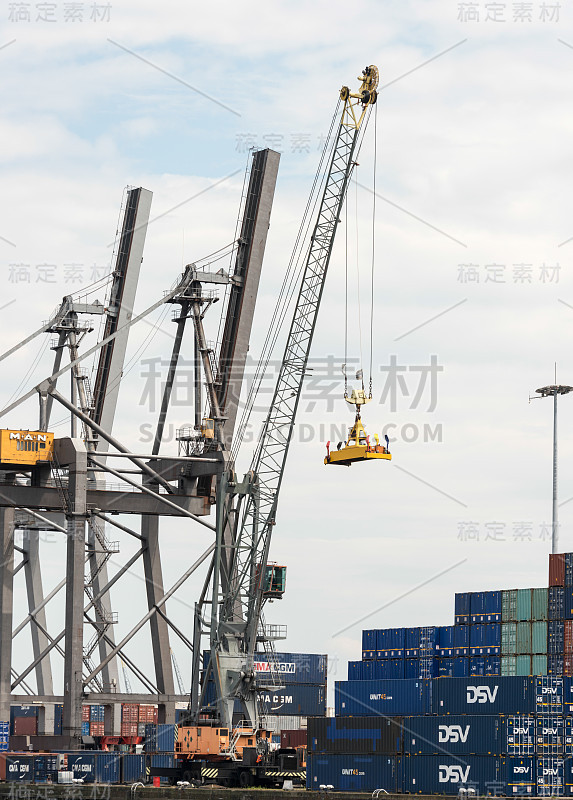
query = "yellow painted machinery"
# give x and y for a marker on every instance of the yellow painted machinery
(25, 448)
(358, 446)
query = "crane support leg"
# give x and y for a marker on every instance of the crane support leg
(6, 609)
(33, 573)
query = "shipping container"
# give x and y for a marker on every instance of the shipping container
(568, 569)
(539, 665)
(477, 608)
(523, 645)
(368, 668)
(557, 569)
(26, 726)
(295, 738)
(555, 637)
(549, 735)
(551, 693)
(492, 666)
(360, 773)
(520, 732)
(368, 655)
(454, 735)
(356, 735)
(518, 775)
(549, 777)
(391, 698)
(83, 765)
(524, 605)
(445, 774)
(476, 666)
(97, 713)
(162, 761)
(386, 639)
(128, 729)
(160, 738)
(567, 637)
(129, 712)
(46, 768)
(16, 768)
(568, 665)
(96, 729)
(461, 640)
(368, 642)
(523, 665)
(539, 604)
(85, 728)
(445, 667)
(133, 768)
(508, 638)
(355, 671)
(509, 665)
(568, 602)
(292, 700)
(58, 719)
(85, 713)
(411, 668)
(392, 668)
(555, 665)
(539, 637)
(300, 667)
(412, 639)
(462, 608)
(509, 605)
(486, 695)
(556, 604)
(446, 641)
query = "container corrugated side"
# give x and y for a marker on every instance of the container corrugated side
(454, 734)
(523, 665)
(556, 637)
(508, 638)
(360, 773)
(445, 774)
(556, 604)
(557, 569)
(132, 767)
(83, 765)
(539, 637)
(484, 695)
(523, 638)
(358, 735)
(390, 698)
(108, 767)
(539, 601)
(509, 605)
(509, 665)
(539, 664)
(523, 605)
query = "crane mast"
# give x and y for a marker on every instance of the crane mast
(249, 508)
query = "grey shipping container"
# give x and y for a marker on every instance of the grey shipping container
(360, 773)
(356, 735)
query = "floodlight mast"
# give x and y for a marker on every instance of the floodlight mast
(554, 391)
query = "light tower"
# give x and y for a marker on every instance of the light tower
(554, 391)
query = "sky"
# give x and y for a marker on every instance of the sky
(473, 292)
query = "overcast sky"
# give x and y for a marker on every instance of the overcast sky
(473, 285)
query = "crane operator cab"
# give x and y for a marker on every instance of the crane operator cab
(358, 446)
(273, 580)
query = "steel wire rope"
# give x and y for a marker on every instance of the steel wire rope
(373, 245)
(294, 269)
(36, 360)
(360, 368)
(345, 367)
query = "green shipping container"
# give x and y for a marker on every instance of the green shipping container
(508, 638)
(523, 666)
(523, 605)
(539, 665)
(538, 638)
(539, 604)
(509, 605)
(508, 665)
(523, 640)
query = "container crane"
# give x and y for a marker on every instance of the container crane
(246, 510)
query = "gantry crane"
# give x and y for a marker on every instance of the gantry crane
(246, 510)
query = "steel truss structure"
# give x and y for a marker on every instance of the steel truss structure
(69, 496)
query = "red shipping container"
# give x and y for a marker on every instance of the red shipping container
(568, 636)
(130, 712)
(293, 738)
(147, 713)
(568, 666)
(85, 713)
(557, 569)
(25, 726)
(128, 729)
(96, 728)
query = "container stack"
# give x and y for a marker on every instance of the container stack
(302, 677)
(484, 703)
(23, 720)
(129, 720)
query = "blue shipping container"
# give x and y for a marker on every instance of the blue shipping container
(476, 666)
(354, 772)
(412, 638)
(520, 735)
(83, 765)
(391, 698)
(462, 608)
(462, 635)
(108, 767)
(550, 774)
(368, 641)
(97, 713)
(355, 671)
(518, 775)
(411, 668)
(296, 667)
(485, 695)
(455, 735)
(133, 767)
(444, 774)
(391, 668)
(46, 768)
(555, 637)
(551, 693)
(556, 602)
(160, 738)
(85, 728)
(492, 606)
(461, 667)
(20, 769)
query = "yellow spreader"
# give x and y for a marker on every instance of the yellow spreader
(357, 447)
